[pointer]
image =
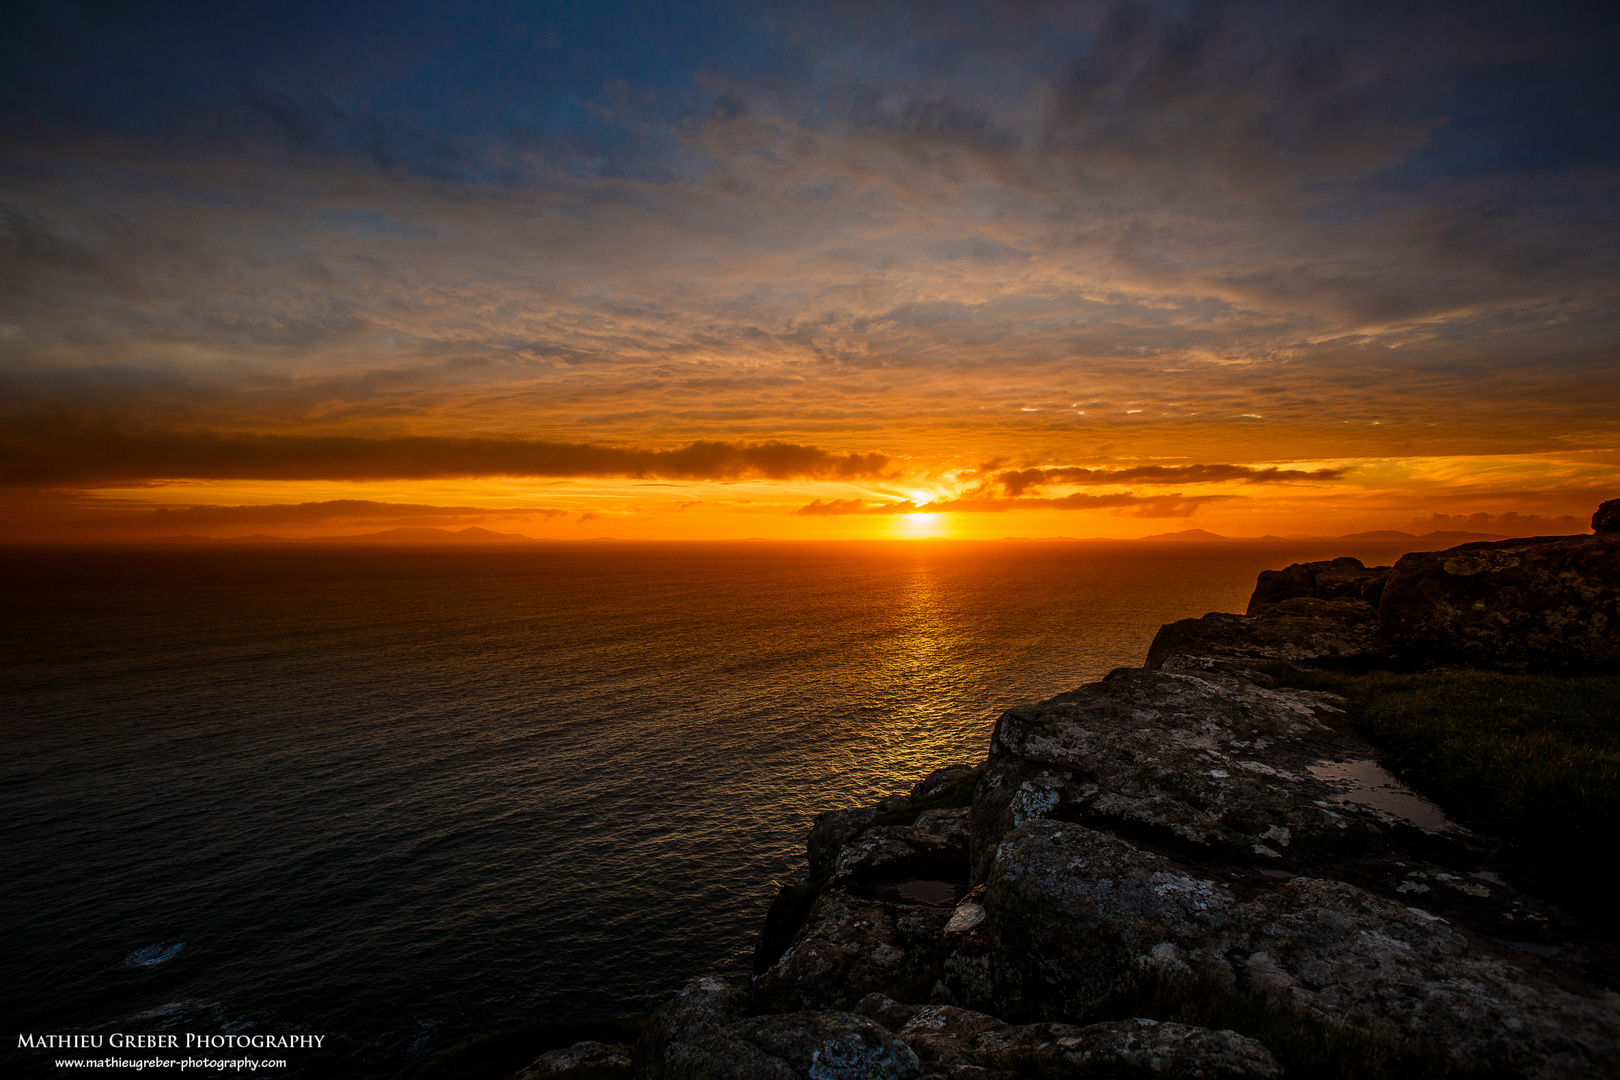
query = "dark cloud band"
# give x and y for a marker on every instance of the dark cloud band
(1017, 481)
(83, 459)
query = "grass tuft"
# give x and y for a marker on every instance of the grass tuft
(953, 796)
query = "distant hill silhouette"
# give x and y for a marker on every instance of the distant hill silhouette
(1186, 534)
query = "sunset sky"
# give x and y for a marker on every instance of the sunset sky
(718, 270)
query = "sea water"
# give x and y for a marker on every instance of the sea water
(398, 797)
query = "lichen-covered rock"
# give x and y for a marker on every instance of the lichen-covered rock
(1300, 629)
(582, 1055)
(1136, 1047)
(1075, 914)
(947, 1038)
(940, 779)
(830, 1045)
(702, 1008)
(877, 925)
(823, 1045)
(832, 829)
(956, 1042)
(1332, 579)
(1212, 760)
(1542, 604)
(1193, 824)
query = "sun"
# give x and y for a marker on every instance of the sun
(920, 525)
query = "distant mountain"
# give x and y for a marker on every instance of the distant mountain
(1186, 534)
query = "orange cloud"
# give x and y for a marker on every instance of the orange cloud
(1134, 505)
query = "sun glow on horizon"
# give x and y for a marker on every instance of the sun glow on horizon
(921, 525)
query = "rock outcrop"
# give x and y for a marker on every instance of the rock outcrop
(1546, 604)
(583, 1058)
(1193, 830)
(1343, 578)
(1300, 629)
(1606, 519)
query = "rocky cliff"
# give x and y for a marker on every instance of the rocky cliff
(1191, 837)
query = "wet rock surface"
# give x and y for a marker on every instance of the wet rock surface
(1190, 824)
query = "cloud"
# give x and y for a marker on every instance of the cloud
(54, 457)
(1509, 523)
(1016, 481)
(329, 510)
(927, 228)
(1131, 505)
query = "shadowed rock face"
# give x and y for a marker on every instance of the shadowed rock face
(1334, 579)
(1542, 604)
(878, 925)
(1545, 604)
(1094, 909)
(951, 1041)
(1606, 519)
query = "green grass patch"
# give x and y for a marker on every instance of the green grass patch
(502, 1053)
(1532, 759)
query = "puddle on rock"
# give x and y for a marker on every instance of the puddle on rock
(1534, 949)
(928, 892)
(1366, 783)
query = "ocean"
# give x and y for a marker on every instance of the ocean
(401, 796)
